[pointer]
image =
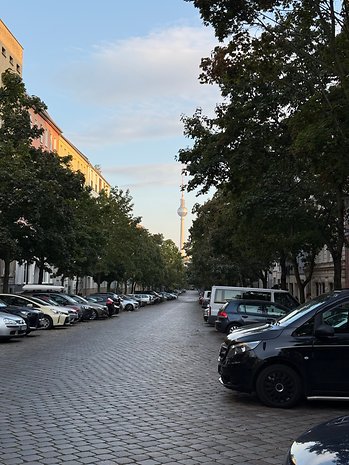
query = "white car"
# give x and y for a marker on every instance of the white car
(11, 326)
(128, 303)
(53, 315)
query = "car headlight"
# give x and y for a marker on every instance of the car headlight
(23, 312)
(10, 322)
(237, 349)
(57, 312)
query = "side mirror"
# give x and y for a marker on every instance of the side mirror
(324, 331)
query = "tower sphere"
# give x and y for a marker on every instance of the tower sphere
(182, 211)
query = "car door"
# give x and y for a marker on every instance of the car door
(328, 366)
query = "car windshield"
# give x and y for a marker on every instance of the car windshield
(78, 298)
(2, 304)
(42, 302)
(305, 308)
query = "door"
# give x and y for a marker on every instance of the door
(329, 364)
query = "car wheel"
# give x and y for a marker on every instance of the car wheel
(232, 327)
(279, 386)
(129, 308)
(46, 322)
(94, 315)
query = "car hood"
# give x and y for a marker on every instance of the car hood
(11, 316)
(324, 444)
(253, 333)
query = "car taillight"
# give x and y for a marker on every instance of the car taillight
(223, 314)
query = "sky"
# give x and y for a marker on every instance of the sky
(117, 75)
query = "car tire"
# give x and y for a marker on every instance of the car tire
(94, 315)
(129, 308)
(231, 328)
(279, 386)
(46, 322)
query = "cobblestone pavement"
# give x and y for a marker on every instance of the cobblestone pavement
(142, 389)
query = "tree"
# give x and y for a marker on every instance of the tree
(16, 135)
(278, 57)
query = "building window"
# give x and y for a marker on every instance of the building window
(18, 69)
(11, 60)
(3, 51)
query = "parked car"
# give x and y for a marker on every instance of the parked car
(324, 444)
(53, 314)
(82, 311)
(143, 299)
(97, 310)
(128, 303)
(31, 317)
(75, 313)
(156, 298)
(11, 326)
(222, 294)
(238, 313)
(113, 305)
(304, 354)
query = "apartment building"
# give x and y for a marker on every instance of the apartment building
(11, 56)
(52, 139)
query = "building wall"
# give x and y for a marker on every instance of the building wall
(11, 55)
(93, 177)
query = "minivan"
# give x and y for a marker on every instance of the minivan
(222, 294)
(304, 354)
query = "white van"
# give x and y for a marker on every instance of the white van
(222, 294)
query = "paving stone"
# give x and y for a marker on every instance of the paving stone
(140, 389)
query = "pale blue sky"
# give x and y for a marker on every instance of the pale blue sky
(116, 76)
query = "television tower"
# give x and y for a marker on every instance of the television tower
(182, 212)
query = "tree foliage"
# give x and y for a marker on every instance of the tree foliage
(279, 142)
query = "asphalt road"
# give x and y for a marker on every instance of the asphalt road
(141, 388)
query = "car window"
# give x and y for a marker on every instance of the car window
(274, 311)
(250, 309)
(337, 318)
(256, 295)
(307, 329)
(285, 299)
(223, 295)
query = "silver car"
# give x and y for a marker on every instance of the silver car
(11, 326)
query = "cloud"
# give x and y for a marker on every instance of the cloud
(139, 87)
(140, 176)
(164, 64)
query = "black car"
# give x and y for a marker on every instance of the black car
(32, 317)
(324, 444)
(241, 312)
(304, 354)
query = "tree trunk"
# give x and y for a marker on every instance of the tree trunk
(283, 271)
(6, 279)
(337, 267)
(41, 272)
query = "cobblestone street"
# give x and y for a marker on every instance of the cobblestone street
(142, 389)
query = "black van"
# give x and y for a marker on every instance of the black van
(304, 354)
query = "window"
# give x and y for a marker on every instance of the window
(11, 60)
(307, 329)
(285, 299)
(274, 311)
(250, 309)
(3, 51)
(337, 318)
(258, 295)
(18, 69)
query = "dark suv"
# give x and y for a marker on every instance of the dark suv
(241, 312)
(304, 354)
